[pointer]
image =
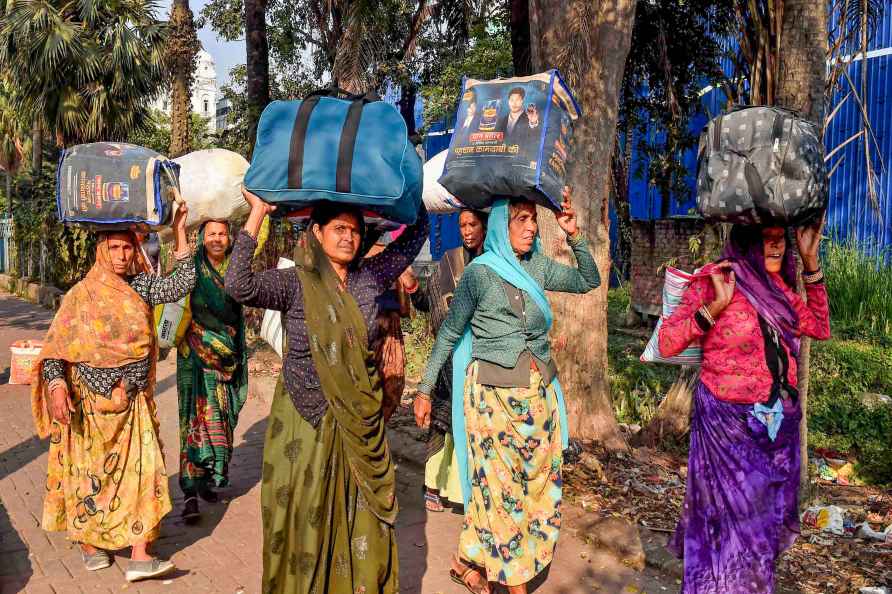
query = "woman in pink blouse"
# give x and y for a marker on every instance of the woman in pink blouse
(741, 505)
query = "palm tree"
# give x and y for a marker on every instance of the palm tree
(257, 49)
(11, 134)
(82, 71)
(180, 52)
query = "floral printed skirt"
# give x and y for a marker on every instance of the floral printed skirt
(319, 535)
(106, 483)
(514, 447)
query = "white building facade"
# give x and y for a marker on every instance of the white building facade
(204, 91)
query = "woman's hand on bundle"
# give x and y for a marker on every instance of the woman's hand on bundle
(180, 241)
(60, 404)
(809, 241)
(566, 219)
(257, 203)
(724, 289)
(422, 409)
(179, 217)
(259, 210)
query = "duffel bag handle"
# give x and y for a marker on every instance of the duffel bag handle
(338, 93)
(348, 135)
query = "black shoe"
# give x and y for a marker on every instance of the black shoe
(209, 495)
(191, 515)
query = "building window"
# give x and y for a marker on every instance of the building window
(205, 106)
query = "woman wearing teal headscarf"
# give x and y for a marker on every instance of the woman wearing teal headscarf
(212, 374)
(509, 420)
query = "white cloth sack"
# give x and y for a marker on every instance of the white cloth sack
(436, 198)
(271, 326)
(211, 185)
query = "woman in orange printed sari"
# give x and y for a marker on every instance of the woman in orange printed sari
(93, 397)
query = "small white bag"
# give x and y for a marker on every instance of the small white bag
(436, 198)
(171, 322)
(271, 326)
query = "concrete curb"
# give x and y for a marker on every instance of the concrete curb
(45, 295)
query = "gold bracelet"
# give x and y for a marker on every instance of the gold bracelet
(423, 396)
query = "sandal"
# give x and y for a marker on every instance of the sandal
(481, 586)
(190, 514)
(432, 501)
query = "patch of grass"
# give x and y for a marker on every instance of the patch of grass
(842, 371)
(859, 288)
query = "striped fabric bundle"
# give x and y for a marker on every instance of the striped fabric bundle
(677, 282)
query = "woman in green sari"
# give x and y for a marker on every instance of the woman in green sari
(328, 494)
(212, 374)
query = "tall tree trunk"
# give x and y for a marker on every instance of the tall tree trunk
(589, 42)
(36, 147)
(182, 48)
(621, 164)
(802, 73)
(257, 47)
(8, 193)
(520, 37)
(408, 96)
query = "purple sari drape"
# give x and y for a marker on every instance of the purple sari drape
(741, 504)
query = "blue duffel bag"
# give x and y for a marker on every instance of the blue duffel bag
(354, 151)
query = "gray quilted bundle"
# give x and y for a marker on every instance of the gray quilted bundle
(761, 166)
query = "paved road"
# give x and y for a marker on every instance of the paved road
(222, 554)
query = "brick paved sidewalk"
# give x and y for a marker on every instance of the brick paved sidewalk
(222, 554)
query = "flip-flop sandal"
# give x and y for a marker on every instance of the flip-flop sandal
(432, 502)
(462, 580)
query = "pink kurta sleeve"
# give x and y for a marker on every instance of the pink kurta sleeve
(814, 311)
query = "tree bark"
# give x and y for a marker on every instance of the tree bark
(257, 48)
(36, 147)
(182, 48)
(408, 95)
(520, 37)
(801, 84)
(589, 42)
(673, 418)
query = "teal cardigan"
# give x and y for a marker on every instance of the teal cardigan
(499, 335)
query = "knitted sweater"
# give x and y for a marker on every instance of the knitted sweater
(499, 335)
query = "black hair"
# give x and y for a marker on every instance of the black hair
(482, 216)
(325, 212)
(518, 91)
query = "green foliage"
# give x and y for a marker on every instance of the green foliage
(838, 418)
(858, 287)
(673, 55)
(636, 388)
(156, 134)
(419, 341)
(85, 70)
(69, 250)
(488, 56)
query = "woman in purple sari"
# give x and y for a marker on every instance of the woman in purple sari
(741, 505)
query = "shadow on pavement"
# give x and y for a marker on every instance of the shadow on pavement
(244, 473)
(15, 566)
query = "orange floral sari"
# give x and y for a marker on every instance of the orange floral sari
(106, 481)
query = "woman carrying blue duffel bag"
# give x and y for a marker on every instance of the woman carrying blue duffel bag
(328, 490)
